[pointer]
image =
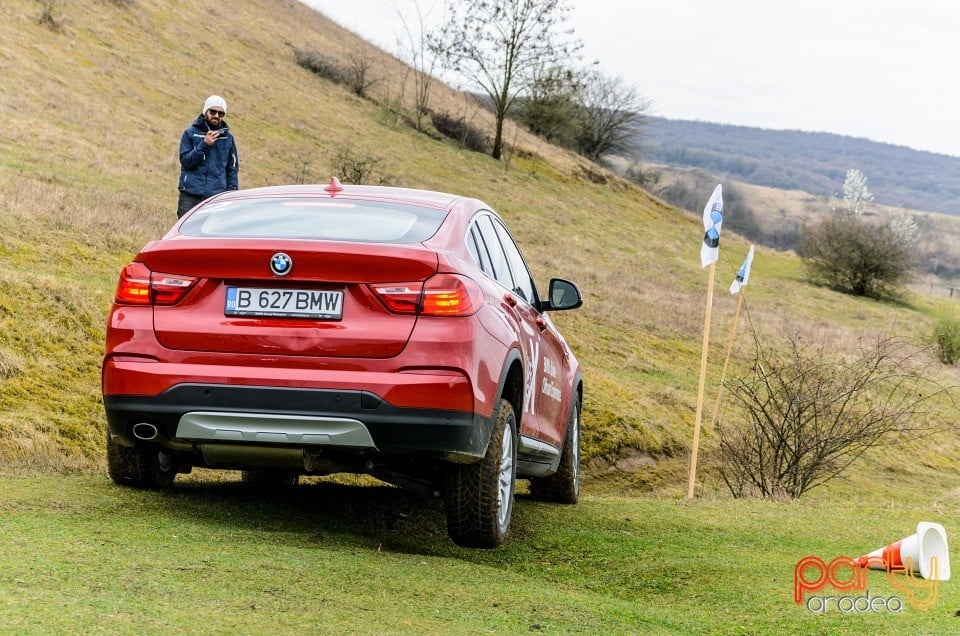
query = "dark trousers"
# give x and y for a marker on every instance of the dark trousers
(187, 202)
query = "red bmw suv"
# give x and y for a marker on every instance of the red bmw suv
(311, 330)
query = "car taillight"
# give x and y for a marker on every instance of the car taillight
(451, 295)
(134, 285)
(168, 289)
(139, 286)
(442, 295)
(400, 298)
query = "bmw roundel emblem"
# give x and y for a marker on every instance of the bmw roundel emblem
(281, 264)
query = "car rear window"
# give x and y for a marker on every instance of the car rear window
(340, 220)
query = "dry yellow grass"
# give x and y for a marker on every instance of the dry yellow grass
(92, 118)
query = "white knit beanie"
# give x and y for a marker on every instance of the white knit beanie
(214, 100)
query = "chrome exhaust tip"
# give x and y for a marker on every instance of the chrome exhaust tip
(144, 431)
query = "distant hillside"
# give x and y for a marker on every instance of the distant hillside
(812, 162)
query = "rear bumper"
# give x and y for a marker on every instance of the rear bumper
(188, 415)
(447, 389)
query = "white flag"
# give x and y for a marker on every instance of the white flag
(712, 218)
(743, 275)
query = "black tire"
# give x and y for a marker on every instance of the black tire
(479, 496)
(146, 466)
(564, 485)
(270, 479)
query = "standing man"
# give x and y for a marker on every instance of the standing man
(208, 157)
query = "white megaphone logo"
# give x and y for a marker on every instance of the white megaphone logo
(924, 553)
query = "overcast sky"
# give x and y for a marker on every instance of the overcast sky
(887, 70)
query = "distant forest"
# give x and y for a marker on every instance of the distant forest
(812, 162)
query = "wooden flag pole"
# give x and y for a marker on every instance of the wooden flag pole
(723, 373)
(703, 379)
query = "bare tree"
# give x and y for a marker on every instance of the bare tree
(413, 47)
(809, 413)
(499, 45)
(611, 113)
(397, 105)
(357, 72)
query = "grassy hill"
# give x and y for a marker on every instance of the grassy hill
(88, 171)
(92, 114)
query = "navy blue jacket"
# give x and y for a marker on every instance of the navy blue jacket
(207, 170)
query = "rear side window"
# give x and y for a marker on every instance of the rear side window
(523, 283)
(478, 250)
(323, 219)
(498, 260)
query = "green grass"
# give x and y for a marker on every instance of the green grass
(82, 555)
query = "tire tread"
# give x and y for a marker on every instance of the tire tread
(563, 486)
(136, 466)
(472, 491)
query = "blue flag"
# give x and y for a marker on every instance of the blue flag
(744, 274)
(712, 218)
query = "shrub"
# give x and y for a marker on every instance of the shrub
(458, 129)
(551, 110)
(554, 120)
(854, 256)
(354, 72)
(357, 167)
(809, 413)
(946, 335)
(638, 175)
(320, 64)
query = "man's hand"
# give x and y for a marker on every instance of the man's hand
(211, 137)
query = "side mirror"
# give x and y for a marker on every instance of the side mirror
(563, 295)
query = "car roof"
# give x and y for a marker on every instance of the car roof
(412, 196)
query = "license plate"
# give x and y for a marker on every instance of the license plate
(284, 303)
